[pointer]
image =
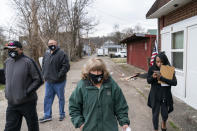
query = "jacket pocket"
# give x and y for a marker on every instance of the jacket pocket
(107, 97)
(20, 95)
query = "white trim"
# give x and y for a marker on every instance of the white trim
(181, 91)
(190, 85)
(185, 58)
(169, 7)
(177, 50)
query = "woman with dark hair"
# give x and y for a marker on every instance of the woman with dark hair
(160, 96)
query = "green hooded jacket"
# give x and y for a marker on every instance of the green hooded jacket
(98, 109)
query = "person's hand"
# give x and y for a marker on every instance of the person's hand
(81, 127)
(154, 75)
(158, 76)
(125, 127)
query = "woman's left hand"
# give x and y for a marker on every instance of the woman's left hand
(125, 127)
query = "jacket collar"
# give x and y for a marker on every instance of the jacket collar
(19, 57)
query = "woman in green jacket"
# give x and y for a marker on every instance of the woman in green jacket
(98, 102)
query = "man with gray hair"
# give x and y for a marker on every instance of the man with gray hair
(55, 65)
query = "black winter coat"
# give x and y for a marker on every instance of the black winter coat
(55, 66)
(2, 76)
(23, 78)
(158, 92)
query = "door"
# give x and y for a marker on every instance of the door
(191, 77)
(166, 44)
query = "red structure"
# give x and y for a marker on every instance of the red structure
(139, 50)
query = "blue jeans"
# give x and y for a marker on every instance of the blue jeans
(50, 91)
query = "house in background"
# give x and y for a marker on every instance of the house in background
(87, 49)
(139, 49)
(177, 25)
(110, 48)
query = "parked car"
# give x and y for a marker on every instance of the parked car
(121, 54)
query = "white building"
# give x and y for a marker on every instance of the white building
(177, 24)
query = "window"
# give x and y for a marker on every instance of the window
(178, 49)
(177, 40)
(113, 49)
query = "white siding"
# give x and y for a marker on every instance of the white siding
(187, 78)
(191, 86)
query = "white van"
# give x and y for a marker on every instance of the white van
(100, 52)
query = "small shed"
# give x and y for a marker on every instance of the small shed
(139, 49)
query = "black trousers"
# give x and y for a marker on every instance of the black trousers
(15, 113)
(159, 106)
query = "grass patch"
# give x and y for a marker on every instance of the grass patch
(1, 65)
(119, 60)
(2, 87)
(173, 126)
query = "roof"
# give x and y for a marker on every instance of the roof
(163, 7)
(152, 31)
(112, 46)
(136, 37)
(158, 4)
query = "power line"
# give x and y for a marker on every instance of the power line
(108, 14)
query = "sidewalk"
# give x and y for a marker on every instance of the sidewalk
(183, 118)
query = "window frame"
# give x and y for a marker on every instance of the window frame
(177, 50)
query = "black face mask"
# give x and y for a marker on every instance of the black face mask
(52, 47)
(13, 54)
(96, 79)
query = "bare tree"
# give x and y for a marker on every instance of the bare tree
(2, 39)
(41, 20)
(127, 32)
(3, 53)
(116, 35)
(50, 19)
(76, 19)
(139, 29)
(28, 12)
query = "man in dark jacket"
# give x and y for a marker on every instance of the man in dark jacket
(2, 76)
(23, 78)
(55, 65)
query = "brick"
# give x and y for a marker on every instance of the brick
(182, 13)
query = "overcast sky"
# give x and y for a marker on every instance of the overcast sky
(6, 13)
(125, 13)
